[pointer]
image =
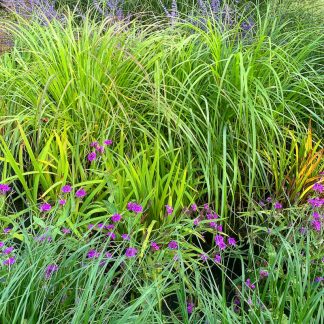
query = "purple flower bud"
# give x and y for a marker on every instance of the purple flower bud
(131, 252)
(218, 258)
(45, 207)
(116, 218)
(92, 156)
(66, 189)
(80, 193)
(173, 245)
(4, 188)
(9, 261)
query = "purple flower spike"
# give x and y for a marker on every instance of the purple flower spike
(218, 258)
(116, 218)
(204, 257)
(316, 202)
(7, 230)
(155, 246)
(125, 237)
(50, 270)
(92, 156)
(249, 284)
(134, 207)
(196, 221)
(93, 254)
(231, 241)
(80, 193)
(9, 261)
(318, 187)
(190, 307)
(108, 142)
(62, 202)
(45, 207)
(4, 188)
(169, 209)
(131, 252)
(264, 274)
(111, 235)
(108, 255)
(66, 231)
(8, 250)
(277, 205)
(173, 245)
(66, 189)
(316, 225)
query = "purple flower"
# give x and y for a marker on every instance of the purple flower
(194, 207)
(110, 227)
(196, 221)
(264, 274)
(231, 241)
(261, 203)
(108, 255)
(206, 207)
(190, 307)
(100, 149)
(50, 269)
(303, 230)
(116, 218)
(316, 216)
(277, 205)
(134, 207)
(111, 235)
(318, 187)
(93, 254)
(125, 237)
(94, 144)
(219, 240)
(45, 207)
(218, 258)
(108, 142)
(66, 189)
(62, 202)
(220, 228)
(80, 193)
(249, 284)
(131, 252)
(90, 226)
(8, 250)
(4, 188)
(9, 261)
(92, 156)
(316, 225)
(204, 257)
(2, 244)
(155, 246)
(169, 209)
(100, 225)
(213, 225)
(173, 245)
(66, 230)
(316, 202)
(7, 230)
(319, 279)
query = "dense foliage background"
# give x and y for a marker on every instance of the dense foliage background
(162, 162)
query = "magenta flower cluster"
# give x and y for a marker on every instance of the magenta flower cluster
(92, 156)
(134, 207)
